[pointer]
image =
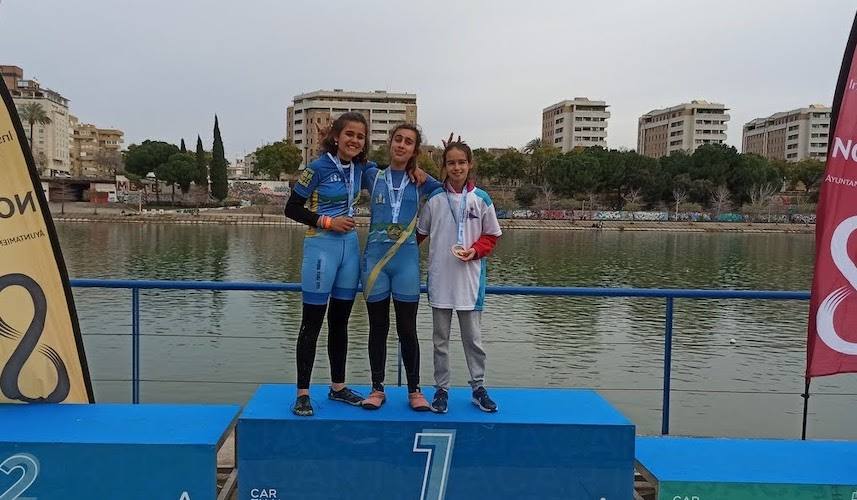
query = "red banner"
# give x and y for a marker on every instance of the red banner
(832, 328)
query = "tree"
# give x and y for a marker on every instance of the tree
(547, 192)
(179, 169)
(145, 158)
(182, 147)
(486, 164)
(260, 201)
(109, 161)
(526, 195)
(34, 113)
(380, 155)
(511, 166)
(679, 196)
(532, 146)
(277, 158)
(425, 162)
(720, 199)
(539, 158)
(750, 172)
(809, 173)
(219, 184)
(202, 158)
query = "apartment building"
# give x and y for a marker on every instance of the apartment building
(579, 122)
(93, 151)
(51, 140)
(683, 127)
(790, 135)
(313, 112)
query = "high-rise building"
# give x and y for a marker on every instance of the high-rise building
(576, 123)
(684, 127)
(93, 151)
(313, 112)
(790, 135)
(50, 142)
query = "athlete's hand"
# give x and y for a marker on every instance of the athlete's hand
(418, 175)
(342, 224)
(448, 141)
(468, 256)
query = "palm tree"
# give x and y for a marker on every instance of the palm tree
(33, 113)
(532, 146)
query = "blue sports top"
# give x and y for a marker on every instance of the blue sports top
(322, 184)
(380, 231)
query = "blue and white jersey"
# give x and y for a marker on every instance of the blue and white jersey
(452, 283)
(382, 229)
(323, 184)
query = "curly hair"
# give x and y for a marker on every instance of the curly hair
(329, 144)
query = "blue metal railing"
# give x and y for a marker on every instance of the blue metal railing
(669, 294)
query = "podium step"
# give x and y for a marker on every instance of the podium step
(543, 443)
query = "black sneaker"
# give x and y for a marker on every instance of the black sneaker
(303, 407)
(441, 401)
(481, 399)
(345, 395)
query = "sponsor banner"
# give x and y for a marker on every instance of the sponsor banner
(41, 350)
(832, 326)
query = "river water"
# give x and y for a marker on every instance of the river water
(737, 365)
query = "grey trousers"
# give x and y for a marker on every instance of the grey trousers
(471, 337)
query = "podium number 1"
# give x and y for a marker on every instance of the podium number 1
(437, 444)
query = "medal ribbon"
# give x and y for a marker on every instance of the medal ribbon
(349, 183)
(462, 206)
(396, 200)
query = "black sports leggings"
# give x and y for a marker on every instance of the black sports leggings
(337, 339)
(406, 327)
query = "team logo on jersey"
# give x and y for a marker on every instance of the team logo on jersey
(306, 176)
(379, 199)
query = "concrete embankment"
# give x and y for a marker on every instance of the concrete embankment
(226, 218)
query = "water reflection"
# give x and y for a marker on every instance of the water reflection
(747, 355)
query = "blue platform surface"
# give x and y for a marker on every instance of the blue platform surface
(115, 423)
(764, 461)
(543, 443)
(517, 406)
(138, 452)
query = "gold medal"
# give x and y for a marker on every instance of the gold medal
(394, 231)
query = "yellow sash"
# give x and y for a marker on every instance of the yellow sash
(373, 276)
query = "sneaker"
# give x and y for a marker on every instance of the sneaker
(345, 395)
(440, 402)
(481, 399)
(375, 400)
(302, 407)
(418, 402)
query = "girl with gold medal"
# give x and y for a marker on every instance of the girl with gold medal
(391, 265)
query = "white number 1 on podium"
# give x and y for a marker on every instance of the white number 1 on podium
(438, 445)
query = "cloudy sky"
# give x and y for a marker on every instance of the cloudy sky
(161, 69)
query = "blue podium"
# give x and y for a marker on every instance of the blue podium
(105, 451)
(543, 443)
(748, 469)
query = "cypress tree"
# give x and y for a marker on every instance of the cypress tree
(219, 185)
(201, 178)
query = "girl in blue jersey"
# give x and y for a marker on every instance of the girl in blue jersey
(330, 271)
(391, 263)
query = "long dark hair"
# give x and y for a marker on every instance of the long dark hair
(468, 153)
(412, 162)
(328, 145)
